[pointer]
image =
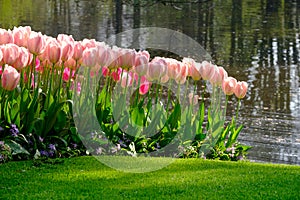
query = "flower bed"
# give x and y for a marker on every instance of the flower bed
(52, 88)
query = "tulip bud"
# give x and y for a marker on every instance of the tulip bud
(6, 36)
(241, 89)
(229, 85)
(10, 78)
(36, 43)
(207, 70)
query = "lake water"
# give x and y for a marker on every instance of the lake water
(255, 41)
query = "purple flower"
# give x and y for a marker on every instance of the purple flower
(41, 139)
(74, 145)
(14, 130)
(1, 129)
(1, 158)
(93, 135)
(51, 153)
(240, 157)
(1, 144)
(44, 153)
(99, 150)
(52, 147)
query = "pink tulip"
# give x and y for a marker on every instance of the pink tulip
(173, 68)
(10, 78)
(6, 36)
(38, 66)
(21, 35)
(66, 74)
(67, 46)
(116, 75)
(88, 43)
(65, 38)
(141, 65)
(105, 71)
(113, 58)
(193, 68)
(1, 56)
(103, 52)
(36, 43)
(127, 58)
(144, 86)
(53, 51)
(157, 69)
(10, 53)
(216, 78)
(207, 70)
(229, 85)
(126, 79)
(67, 50)
(223, 73)
(90, 57)
(71, 63)
(241, 89)
(78, 49)
(30, 58)
(181, 78)
(144, 53)
(22, 60)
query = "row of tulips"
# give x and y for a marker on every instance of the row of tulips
(40, 74)
(20, 46)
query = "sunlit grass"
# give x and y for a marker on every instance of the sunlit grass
(87, 178)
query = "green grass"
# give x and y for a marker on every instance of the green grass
(87, 178)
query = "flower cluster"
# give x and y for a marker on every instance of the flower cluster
(40, 74)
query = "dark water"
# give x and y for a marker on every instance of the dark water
(256, 41)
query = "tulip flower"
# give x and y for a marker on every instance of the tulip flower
(1, 56)
(126, 79)
(90, 57)
(10, 53)
(10, 78)
(144, 86)
(116, 74)
(67, 50)
(141, 65)
(53, 51)
(21, 35)
(157, 69)
(181, 78)
(23, 59)
(36, 43)
(113, 58)
(6, 36)
(207, 70)
(193, 68)
(78, 49)
(67, 73)
(103, 53)
(173, 68)
(229, 85)
(127, 58)
(241, 89)
(71, 63)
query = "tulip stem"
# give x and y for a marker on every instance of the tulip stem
(238, 108)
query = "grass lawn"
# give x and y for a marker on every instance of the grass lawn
(87, 178)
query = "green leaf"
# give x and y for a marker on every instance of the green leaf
(138, 115)
(16, 148)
